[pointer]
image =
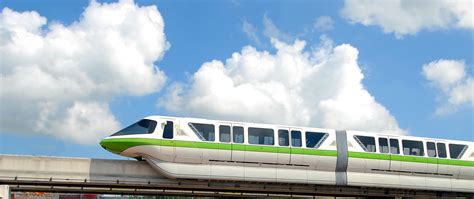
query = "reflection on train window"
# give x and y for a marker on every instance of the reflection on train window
(314, 139)
(168, 130)
(141, 127)
(441, 150)
(296, 138)
(394, 148)
(283, 138)
(260, 136)
(383, 145)
(456, 150)
(411, 147)
(205, 132)
(367, 143)
(238, 133)
(431, 149)
(224, 133)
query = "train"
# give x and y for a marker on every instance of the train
(203, 149)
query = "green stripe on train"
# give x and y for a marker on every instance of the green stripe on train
(402, 158)
(120, 144)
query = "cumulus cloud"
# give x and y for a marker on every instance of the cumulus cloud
(57, 79)
(320, 87)
(323, 23)
(407, 17)
(450, 78)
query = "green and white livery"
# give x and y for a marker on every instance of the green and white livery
(192, 148)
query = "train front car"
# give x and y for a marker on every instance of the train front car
(194, 148)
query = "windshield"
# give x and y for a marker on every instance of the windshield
(141, 127)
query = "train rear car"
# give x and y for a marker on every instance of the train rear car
(378, 160)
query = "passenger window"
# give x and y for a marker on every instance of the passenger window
(431, 149)
(383, 145)
(394, 148)
(224, 133)
(367, 143)
(260, 136)
(283, 138)
(296, 138)
(411, 147)
(441, 150)
(168, 130)
(456, 150)
(314, 139)
(238, 133)
(205, 132)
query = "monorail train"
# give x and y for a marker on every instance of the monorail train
(191, 148)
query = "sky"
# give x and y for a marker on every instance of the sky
(74, 72)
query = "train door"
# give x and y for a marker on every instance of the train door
(414, 152)
(238, 143)
(283, 146)
(167, 148)
(296, 145)
(432, 161)
(384, 153)
(185, 151)
(224, 139)
(208, 137)
(395, 156)
(442, 157)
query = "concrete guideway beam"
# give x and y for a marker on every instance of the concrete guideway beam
(76, 168)
(83, 175)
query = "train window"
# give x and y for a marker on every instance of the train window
(238, 133)
(411, 147)
(260, 136)
(431, 149)
(441, 150)
(456, 150)
(314, 139)
(283, 138)
(168, 130)
(141, 127)
(394, 148)
(367, 143)
(224, 133)
(383, 145)
(296, 138)
(205, 132)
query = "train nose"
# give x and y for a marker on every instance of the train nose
(111, 145)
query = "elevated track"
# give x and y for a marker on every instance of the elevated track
(129, 177)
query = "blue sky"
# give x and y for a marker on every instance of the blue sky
(391, 60)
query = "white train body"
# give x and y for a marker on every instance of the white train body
(193, 148)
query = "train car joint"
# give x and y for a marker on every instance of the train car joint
(342, 158)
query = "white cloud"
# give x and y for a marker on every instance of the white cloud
(58, 80)
(407, 17)
(457, 87)
(321, 88)
(323, 23)
(250, 31)
(270, 30)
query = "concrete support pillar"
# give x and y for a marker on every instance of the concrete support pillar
(4, 192)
